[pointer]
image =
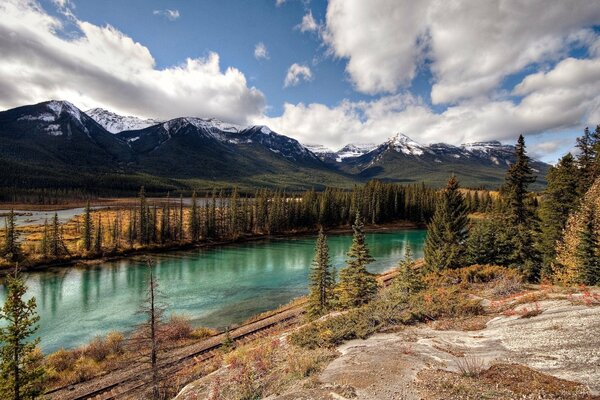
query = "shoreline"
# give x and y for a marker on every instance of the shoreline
(42, 266)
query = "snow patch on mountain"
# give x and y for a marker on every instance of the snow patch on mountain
(404, 144)
(354, 150)
(115, 123)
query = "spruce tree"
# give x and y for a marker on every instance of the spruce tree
(587, 145)
(518, 178)
(559, 199)
(87, 228)
(588, 251)
(447, 231)
(45, 245)
(57, 246)
(20, 363)
(98, 237)
(321, 280)
(194, 223)
(144, 218)
(356, 286)
(11, 248)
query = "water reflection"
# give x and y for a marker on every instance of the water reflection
(215, 287)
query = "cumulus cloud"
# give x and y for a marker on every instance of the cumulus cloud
(297, 73)
(106, 68)
(551, 101)
(171, 15)
(260, 51)
(470, 46)
(308, 23)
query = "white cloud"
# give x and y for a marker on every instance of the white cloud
(279, 3)
(104, 67)
(471, 46)
(553, 101)
(171, 15)
(297, 73)
(260, 51)
(308, 23)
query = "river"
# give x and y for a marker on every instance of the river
(215, 287)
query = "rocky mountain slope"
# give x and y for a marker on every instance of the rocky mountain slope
(54, 144)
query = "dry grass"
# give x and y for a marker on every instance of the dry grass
(470, 366)
(499, 382)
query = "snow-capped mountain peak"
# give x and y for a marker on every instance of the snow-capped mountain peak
(354, 150)
(404, 144)
(115, 123)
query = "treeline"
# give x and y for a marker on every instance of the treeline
(557, 239)
(225, 216)
(43, 196)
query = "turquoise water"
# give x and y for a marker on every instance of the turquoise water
(215, 287)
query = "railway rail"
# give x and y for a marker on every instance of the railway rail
(123, 383)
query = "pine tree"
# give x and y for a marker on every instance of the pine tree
(560, 198)
(87, 228)
(194, 223)
(588, 251)
(20, 362)
(11, 249)
(45, 245)
(514, 192)
(144, 223)
(356, 286)
(321, 279)
(586, 160)
(409, 279)
(98, 237)
(57, 246)
(447, 231)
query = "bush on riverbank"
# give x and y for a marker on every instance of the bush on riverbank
(102, 354)
(439, 295)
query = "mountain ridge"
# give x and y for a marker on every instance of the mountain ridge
(66, 146)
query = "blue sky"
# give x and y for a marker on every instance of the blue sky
(363, 71)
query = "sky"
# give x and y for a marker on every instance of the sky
(323, 72)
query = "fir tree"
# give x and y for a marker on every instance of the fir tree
(144, 220)
(514, 192)
(447, 231)
(588, 251)
(321, 279)
(20, 362)
(356, 286)
(560, 198)
(587, 145)
(98, 237)
(11, 248)
(57, 246)
(87, 228)
(45, 245)
(194, 223)
(409, 279)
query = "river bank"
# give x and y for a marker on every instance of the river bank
(41, 265)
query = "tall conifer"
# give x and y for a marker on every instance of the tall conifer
(447, 231)
(356, 286)
(321, 279)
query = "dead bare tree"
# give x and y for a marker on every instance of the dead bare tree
(153, 308)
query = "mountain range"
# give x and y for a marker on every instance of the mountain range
(55, 145)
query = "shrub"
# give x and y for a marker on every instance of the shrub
(62, 360)
(203, 333)
(98, 349)
(468, 275)
(84, 369)
(115, 342)
(178, 327)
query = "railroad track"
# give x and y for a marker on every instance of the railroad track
(123, 383)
